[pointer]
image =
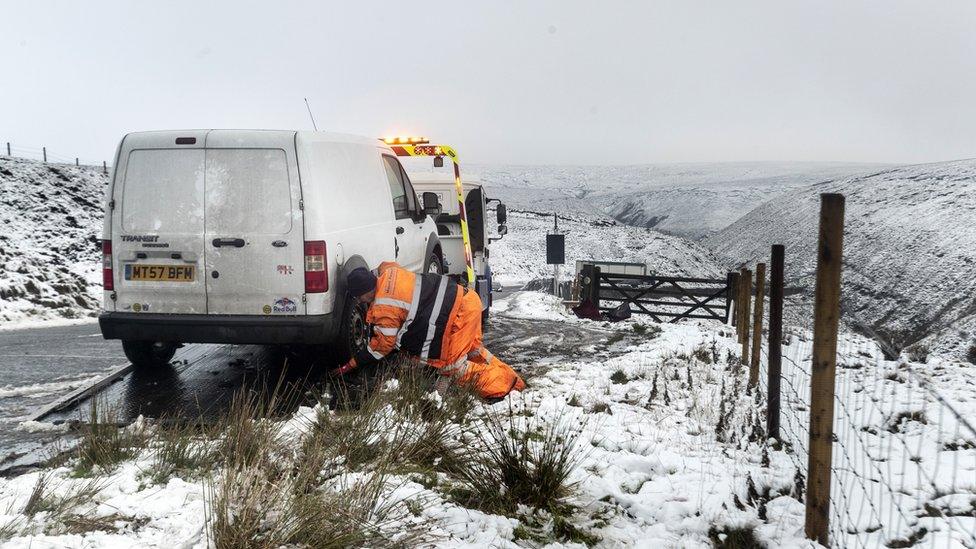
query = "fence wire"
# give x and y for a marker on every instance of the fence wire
(38, 153)
(903, 470)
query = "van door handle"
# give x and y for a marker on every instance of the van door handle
(399, 230)
(235, 242)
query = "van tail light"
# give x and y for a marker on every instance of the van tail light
(107, 276)
(316, 269)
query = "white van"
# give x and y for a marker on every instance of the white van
(246, 236)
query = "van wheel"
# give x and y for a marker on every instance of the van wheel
(149, 354)
(434, 265)
(352, 333)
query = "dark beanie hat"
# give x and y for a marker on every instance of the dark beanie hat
(360, 281)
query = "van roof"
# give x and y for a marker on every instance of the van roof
(308, 136)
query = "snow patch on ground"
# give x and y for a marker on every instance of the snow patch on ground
(532, 306)
(37, 390)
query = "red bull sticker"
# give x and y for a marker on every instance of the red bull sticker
(284, 305)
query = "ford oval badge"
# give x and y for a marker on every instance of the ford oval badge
(279, 243)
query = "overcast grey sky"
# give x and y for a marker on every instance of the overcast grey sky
(532, 82)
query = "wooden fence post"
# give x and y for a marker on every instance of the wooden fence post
(45, 153)
(8, 149)
(775, 340)
(739, 300)
(595, 288)
(76, 161)
(729, 293)
(745, 283)
(757, 320)
(104, 167)
(826, 316)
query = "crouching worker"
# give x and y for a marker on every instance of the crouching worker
(434, 320)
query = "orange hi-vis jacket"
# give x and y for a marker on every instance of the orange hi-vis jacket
(439, 322)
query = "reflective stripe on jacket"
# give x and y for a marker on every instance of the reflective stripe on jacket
(411, 311)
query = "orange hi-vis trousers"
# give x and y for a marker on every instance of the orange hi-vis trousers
(465, 359)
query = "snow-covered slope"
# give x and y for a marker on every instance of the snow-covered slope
(691, 200)
(50, 261)
(521, 255)
(909, 250)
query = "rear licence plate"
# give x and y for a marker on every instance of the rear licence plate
(160, 273)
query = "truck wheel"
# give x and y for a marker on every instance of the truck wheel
(352, 332)
(434, 265)
(149, 354)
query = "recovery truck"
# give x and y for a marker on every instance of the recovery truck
(462, 224)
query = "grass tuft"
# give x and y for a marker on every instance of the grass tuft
(60, 501)
(619, 377)
(178, 450)
(103, 443)
(249, 509)
(734, 538)
(517, 462)
(703, 353)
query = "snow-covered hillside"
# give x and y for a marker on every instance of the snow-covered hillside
(521, 255)
(909, 251)
(50, 258)
(692, 200)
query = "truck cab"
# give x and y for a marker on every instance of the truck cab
(476, 203)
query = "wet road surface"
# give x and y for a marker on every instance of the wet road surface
(39, 366)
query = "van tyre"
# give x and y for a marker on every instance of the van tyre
(434, 265)
(352, 332)
(149, 354)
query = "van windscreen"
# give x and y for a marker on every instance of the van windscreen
(248, 192)
(163, 191)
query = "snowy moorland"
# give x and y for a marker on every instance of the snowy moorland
(520, 256)
(692, 200)
(650, 435)
(51, 216)
(909, 252)
(634, 418)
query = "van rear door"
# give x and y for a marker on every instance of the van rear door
(158, 225)
(254, 234)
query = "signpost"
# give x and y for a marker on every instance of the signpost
(555, 253)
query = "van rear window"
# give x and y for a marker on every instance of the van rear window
(163, 191)
(248, 192)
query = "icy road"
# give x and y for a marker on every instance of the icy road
(41, 366)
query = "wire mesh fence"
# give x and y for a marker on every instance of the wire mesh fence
(45, 154)
(903, 470)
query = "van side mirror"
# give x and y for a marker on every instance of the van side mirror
(432, 204)
(502, 213)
